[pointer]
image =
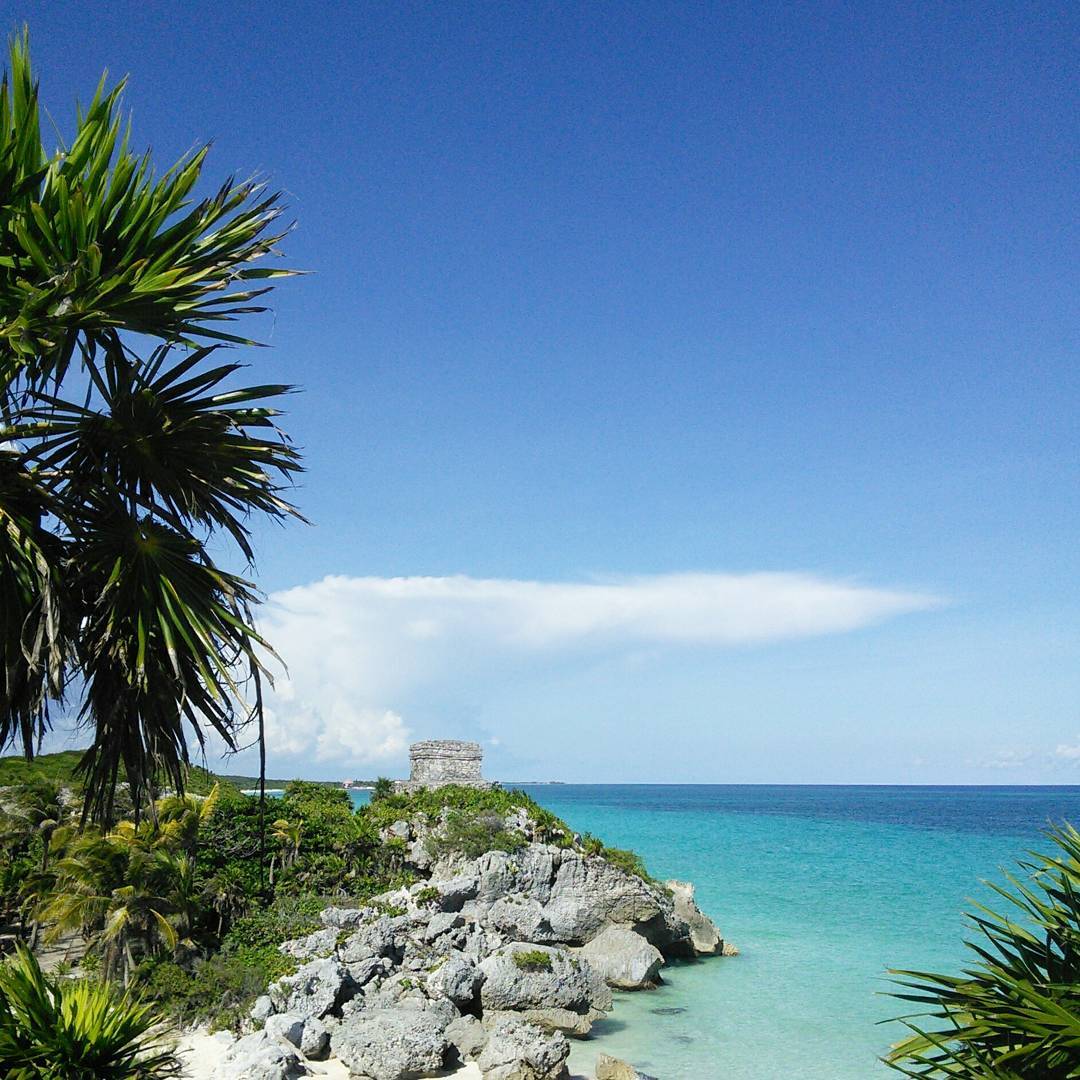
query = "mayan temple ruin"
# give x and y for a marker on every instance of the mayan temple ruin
(438, 762)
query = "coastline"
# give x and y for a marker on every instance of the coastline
(503, 954)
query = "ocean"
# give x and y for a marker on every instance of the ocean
(822, 889)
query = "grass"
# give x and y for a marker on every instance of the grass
(533, 960)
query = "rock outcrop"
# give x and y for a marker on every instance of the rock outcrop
(624, 959)
(492, 959)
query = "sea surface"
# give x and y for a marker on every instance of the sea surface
(822, 889)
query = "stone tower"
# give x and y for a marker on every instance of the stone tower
(438, 762)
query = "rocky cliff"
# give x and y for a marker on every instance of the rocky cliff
(494, 959)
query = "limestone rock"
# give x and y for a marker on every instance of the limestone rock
(315, 1041)
(560, 991)
(259, 1056)
(457, 979)
(521, 918)
(442, 922)
(704, 936)
(467, 1035)
(314, 946)
(381, 938)
(286, 1026)
(315, 990)
(517, 1050)
(623, 958)
(610, 1068)
(455, 891)
(343, 918)
(262, 1009)
(391, 1044)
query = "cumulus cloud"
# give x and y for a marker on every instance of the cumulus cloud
(355, 647)
(1067, 752)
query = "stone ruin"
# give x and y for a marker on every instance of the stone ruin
(438, 762)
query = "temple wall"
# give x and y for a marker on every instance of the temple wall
(438, 762)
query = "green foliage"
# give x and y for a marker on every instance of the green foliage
(220, 988)
(58, 767)
(287, 917)
(452, 797)
(116, 484)
(427, 895)
(629, 862)
(383, 789)
(471, 834)
(1015, 1013)
(533, 960)
(54, 1029)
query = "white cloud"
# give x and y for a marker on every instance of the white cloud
(355, 647)
(1005, 759)
(1067, 752)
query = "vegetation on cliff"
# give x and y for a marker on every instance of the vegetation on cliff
(173, 905)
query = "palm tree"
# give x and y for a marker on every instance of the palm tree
(35, 809)
(227, 892)
(288, 835)
(132, 892)
(118, 466)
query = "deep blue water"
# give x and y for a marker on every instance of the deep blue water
(822, 888)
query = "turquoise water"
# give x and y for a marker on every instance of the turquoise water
(822, 889)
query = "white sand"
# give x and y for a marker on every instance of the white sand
(200, 1053)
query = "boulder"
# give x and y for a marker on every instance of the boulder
(454, 892)
(457, 979)
(466, 1035)
(442, 922)
(315, 1041)
(309, 1036)
(391, 1044)
(262, 1009)
(286, 1026)
(623, 958)
(344, 918)
(589, 894)
(554, 988)
(610, 1068)
(259, 1056)
(704, 936)
(521, 919)
(315, 990)
(321, 943)
(369, 970)
(382, 937)
(516, 1050)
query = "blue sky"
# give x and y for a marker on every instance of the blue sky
(620, 293)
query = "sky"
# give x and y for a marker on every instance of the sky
(690, 392)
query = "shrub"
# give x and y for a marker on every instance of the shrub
(383, 789)
(1015, 1013)
(427, 895)
(629, 862)
(472, 834)
(56, 1030)
(533, 960)
(218, 990)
